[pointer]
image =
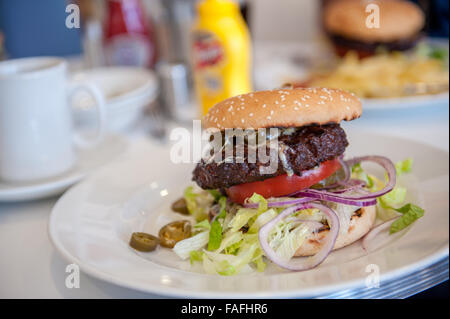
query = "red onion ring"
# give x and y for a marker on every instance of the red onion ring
(383, 161)
(328, 197)
(349, 186)
(306, 262)
(375, 231)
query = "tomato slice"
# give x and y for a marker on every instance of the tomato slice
(283, 185)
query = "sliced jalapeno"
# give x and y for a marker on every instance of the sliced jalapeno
(180, 206)
(143, 241)
(174, 232)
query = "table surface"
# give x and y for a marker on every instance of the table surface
(31, 268)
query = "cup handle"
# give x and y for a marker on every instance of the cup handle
(100, 105)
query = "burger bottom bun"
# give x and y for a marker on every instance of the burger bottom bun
(361, 222)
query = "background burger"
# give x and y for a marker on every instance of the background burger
(400, 28)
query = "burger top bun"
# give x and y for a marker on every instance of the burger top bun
(284, 108)
(360, 224)
(398, 20)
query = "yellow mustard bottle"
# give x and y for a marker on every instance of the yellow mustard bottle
(221, 53)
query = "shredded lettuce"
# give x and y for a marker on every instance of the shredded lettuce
(263, 205)
(203, 225)
(394, 198)
(233, 248)
(196, 255)
(215, 234)
(292, 241)
(260, 264)
(215, 193)
(230, 238)
(183, 248)
(410, 213)
(262, 219)
(227, 265)
(404, 167)
(241, 218)
(198, 204)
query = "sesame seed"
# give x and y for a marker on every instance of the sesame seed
(264, 106)
(268, 117)
(251, 114)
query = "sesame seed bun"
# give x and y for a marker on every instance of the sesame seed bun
(360, 224)
(398, 20)
(284, 108)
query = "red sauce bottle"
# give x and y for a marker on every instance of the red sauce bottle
(129, 35)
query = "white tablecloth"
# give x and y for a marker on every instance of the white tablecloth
(31, 268)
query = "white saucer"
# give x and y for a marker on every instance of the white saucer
(88, 160)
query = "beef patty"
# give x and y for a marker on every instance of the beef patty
(304, 149)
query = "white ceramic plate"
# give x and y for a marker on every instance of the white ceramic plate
(88, 160)
(92, 223)
(406, 102)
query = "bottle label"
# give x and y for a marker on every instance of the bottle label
(208, 51)
(133, 50)
(209, 61)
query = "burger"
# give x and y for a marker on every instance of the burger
(310, 202)
(400, 25)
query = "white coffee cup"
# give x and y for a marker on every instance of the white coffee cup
(37, 138)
